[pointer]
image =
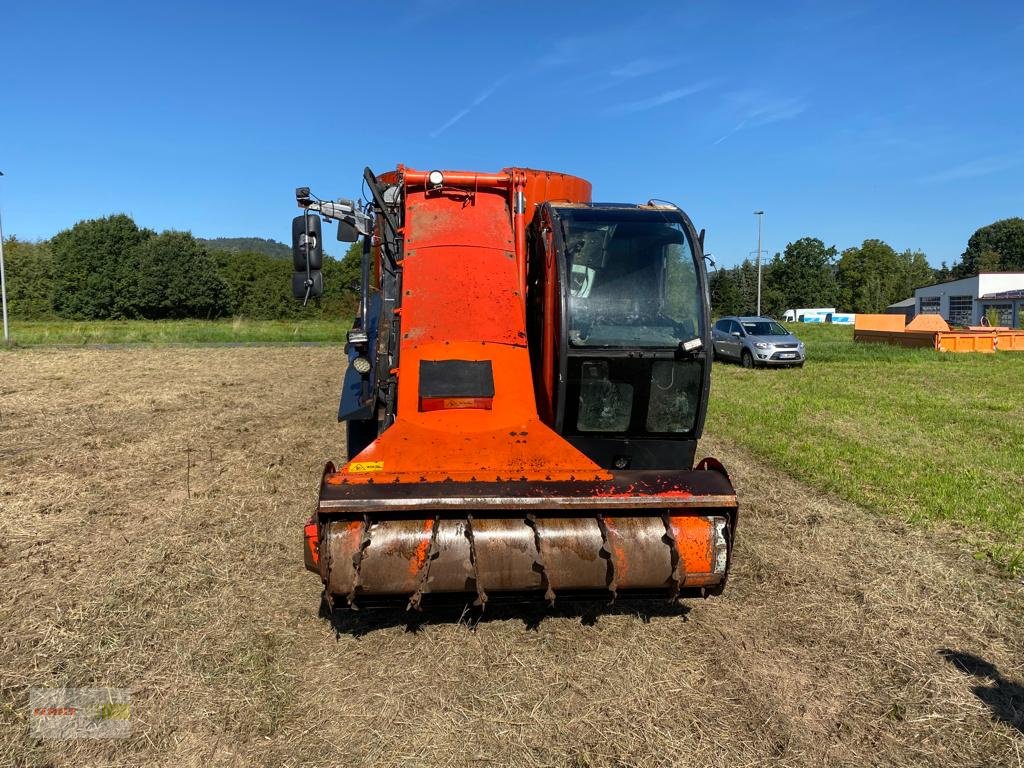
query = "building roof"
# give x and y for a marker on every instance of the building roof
(911, 302)
(1017, 294)
(970, 277)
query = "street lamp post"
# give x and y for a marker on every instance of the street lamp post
(760, 218)
(3, 279)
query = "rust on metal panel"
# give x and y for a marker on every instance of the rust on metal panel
(506, 552)
(452, 569)
(571, 553)
(644, 488)
(339, 548)
(640, 556)
(395, 557)
(543, 555)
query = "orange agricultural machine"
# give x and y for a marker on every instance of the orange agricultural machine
(528, 377)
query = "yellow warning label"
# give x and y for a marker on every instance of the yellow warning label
(366, 466)
(461, 402)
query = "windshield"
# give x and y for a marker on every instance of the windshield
(763, 328)
(633, 279)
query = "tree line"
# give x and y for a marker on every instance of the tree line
(109, 268)
(864, 278)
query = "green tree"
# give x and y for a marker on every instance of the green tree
(341, 284)
(257, 286)
(173, 276)
(804, 276)
(29, 273)
(870, 277)
(725, 292)
(91, 263)
(915, 272)
(996, 247)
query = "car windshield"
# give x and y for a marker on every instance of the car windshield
(763, 328)
(633, 278)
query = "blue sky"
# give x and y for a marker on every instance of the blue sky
(842, 121)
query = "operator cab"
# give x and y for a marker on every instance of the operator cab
(631, 320)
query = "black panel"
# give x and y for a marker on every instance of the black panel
(636, 453)
(456, 378)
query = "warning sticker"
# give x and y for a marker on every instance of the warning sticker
(366, 466)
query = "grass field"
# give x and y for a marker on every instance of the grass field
(151, 510)
(239, 331)
(915, 433)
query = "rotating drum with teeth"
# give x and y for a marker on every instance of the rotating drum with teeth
(622, 546)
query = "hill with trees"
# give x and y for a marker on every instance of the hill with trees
(110, 269)
(266, 246)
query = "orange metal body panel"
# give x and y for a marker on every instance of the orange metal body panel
(463, 299)
(928, 323)
(863, 322)
(932, 331)
(966, 341)
(1011, 341)
(925, 339)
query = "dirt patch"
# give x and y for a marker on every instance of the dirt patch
(151, 504)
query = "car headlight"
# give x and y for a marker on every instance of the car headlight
(762, 344)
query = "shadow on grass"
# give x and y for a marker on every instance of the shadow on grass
(357, 623)
(1003, 697)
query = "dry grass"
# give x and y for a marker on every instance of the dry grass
(826, 650)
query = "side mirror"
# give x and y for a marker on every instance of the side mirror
(347, 232)
(307, 257)
(307, 243)
(737, 334)
(311, 287)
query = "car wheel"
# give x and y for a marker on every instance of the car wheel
(747, 359)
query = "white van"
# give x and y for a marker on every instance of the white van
(816, 315)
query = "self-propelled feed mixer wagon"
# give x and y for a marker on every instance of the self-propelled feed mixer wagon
(527, 381)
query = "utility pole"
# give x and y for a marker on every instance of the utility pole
(760, 218)
(3, 279)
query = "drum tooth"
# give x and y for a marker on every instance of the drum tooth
(424, 575)
(678, 567)
(357, 561)
(606, 553)
(538, 563)
(481, 593)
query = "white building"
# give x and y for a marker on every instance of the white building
(968, 300)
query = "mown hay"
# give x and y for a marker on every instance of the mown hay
(151, 504)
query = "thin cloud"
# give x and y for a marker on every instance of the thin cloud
(730, 133)
(629, 71)
(755, 110)
(758, 110)
(419, 11)
(641, 67)
(483, 96)
(983, 166)
(451, 121)
(564, 52)
(661, 99)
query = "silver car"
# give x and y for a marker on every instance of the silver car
(756, 341)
